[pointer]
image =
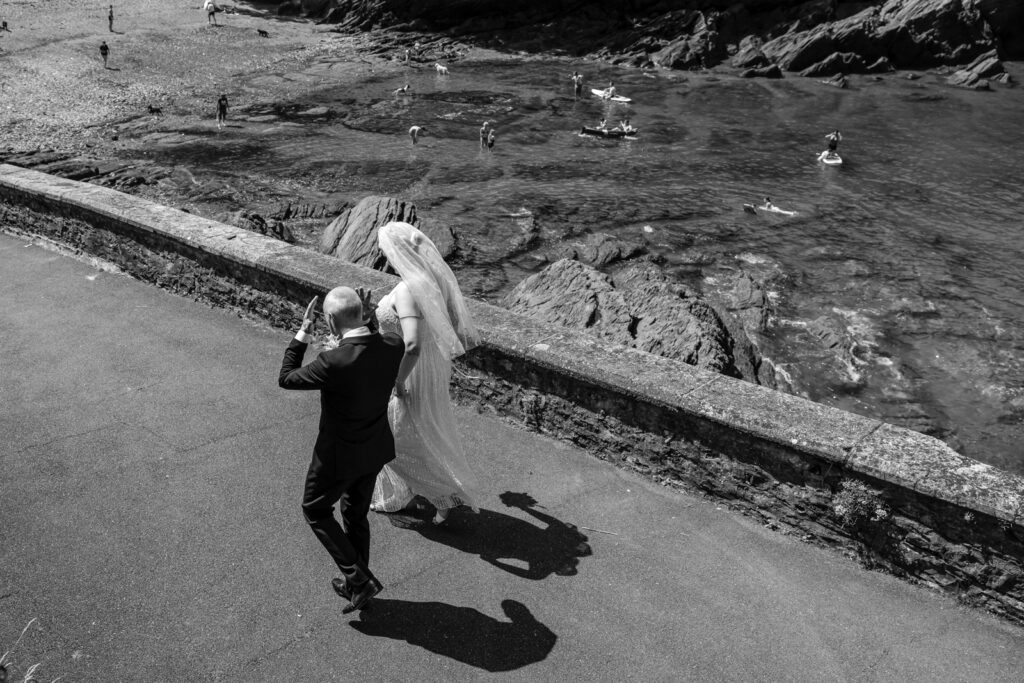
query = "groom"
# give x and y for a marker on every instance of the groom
(355, 382)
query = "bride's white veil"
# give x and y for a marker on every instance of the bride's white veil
(433, 285)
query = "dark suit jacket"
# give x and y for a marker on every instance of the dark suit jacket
(355, 382)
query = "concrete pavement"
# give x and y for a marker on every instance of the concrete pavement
(151, 474)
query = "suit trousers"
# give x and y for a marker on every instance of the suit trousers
(348, 542)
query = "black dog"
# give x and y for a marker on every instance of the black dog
(155, 110)
(263, 34)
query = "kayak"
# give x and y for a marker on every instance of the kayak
(616, 98)
(832, 159)
(750, 208)
(607, 133)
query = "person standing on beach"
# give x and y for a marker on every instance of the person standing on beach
(104, 52)
(577, 83)
(110, 19)
(414, 133)
(222, 111)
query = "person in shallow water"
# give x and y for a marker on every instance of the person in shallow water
(577, 83)
(833, 141)
(415, 133)
(483, 134)
(490, 139)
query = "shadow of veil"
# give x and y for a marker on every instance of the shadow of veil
(462, 633)
(509, 543)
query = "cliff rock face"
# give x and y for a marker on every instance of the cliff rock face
(639, 307)
(684, 34)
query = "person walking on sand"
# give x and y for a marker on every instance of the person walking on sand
(222, 111)
(355, 379)
(104, 52)
(110, 19)
(414, 133)
(211, 12)
(577, 84)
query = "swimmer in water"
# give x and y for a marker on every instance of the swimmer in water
(490, 139)
(401, 91)
(415, 132)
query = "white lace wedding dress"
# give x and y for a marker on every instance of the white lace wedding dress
(430, 460)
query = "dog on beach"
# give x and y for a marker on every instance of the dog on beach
(441, 70)
(154, 110)
(262, 33)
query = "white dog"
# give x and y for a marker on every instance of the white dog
(441, 70)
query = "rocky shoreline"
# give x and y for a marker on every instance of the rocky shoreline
(765, 37)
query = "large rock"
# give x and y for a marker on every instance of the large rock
(772, 71)
(352, 236)
(975, 74)
(639, 308)
(599, 250)
(749, 54)
(254, 222)
(836, 63)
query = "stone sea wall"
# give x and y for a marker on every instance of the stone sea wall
(892, 497)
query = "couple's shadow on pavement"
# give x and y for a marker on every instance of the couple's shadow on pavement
(514, 545)
(462, 633)
(508, 543)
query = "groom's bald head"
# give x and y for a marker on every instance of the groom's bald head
(343, 309)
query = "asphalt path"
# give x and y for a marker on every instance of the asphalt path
(150, 524)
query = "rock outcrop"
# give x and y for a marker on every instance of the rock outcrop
(688, 34)
(352, 236)
(976, 74)
(254, 222)
(638, 307)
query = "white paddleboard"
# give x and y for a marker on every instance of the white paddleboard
(616, 98)
(830, 159)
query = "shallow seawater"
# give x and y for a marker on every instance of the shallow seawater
(912, 248)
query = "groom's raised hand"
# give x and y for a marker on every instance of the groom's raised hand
(369, 309)
(309, 318)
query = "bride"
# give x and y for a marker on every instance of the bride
(427, 309)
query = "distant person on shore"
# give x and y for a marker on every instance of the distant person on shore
(222, 111)
(211, 12)
(490, 139)
(483, 134)
(110, 19)
(577, 84)
(415, 132)
(406, 55)
(833, 141)
(104, 52)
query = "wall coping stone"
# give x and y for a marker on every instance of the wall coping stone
(897, 456)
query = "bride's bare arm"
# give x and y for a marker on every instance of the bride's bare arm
(409, 318)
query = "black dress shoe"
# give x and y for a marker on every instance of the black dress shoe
(341, 588)
(362, 595)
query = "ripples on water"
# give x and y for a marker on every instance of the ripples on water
(913, 246)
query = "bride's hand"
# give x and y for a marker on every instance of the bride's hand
(400, 391)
